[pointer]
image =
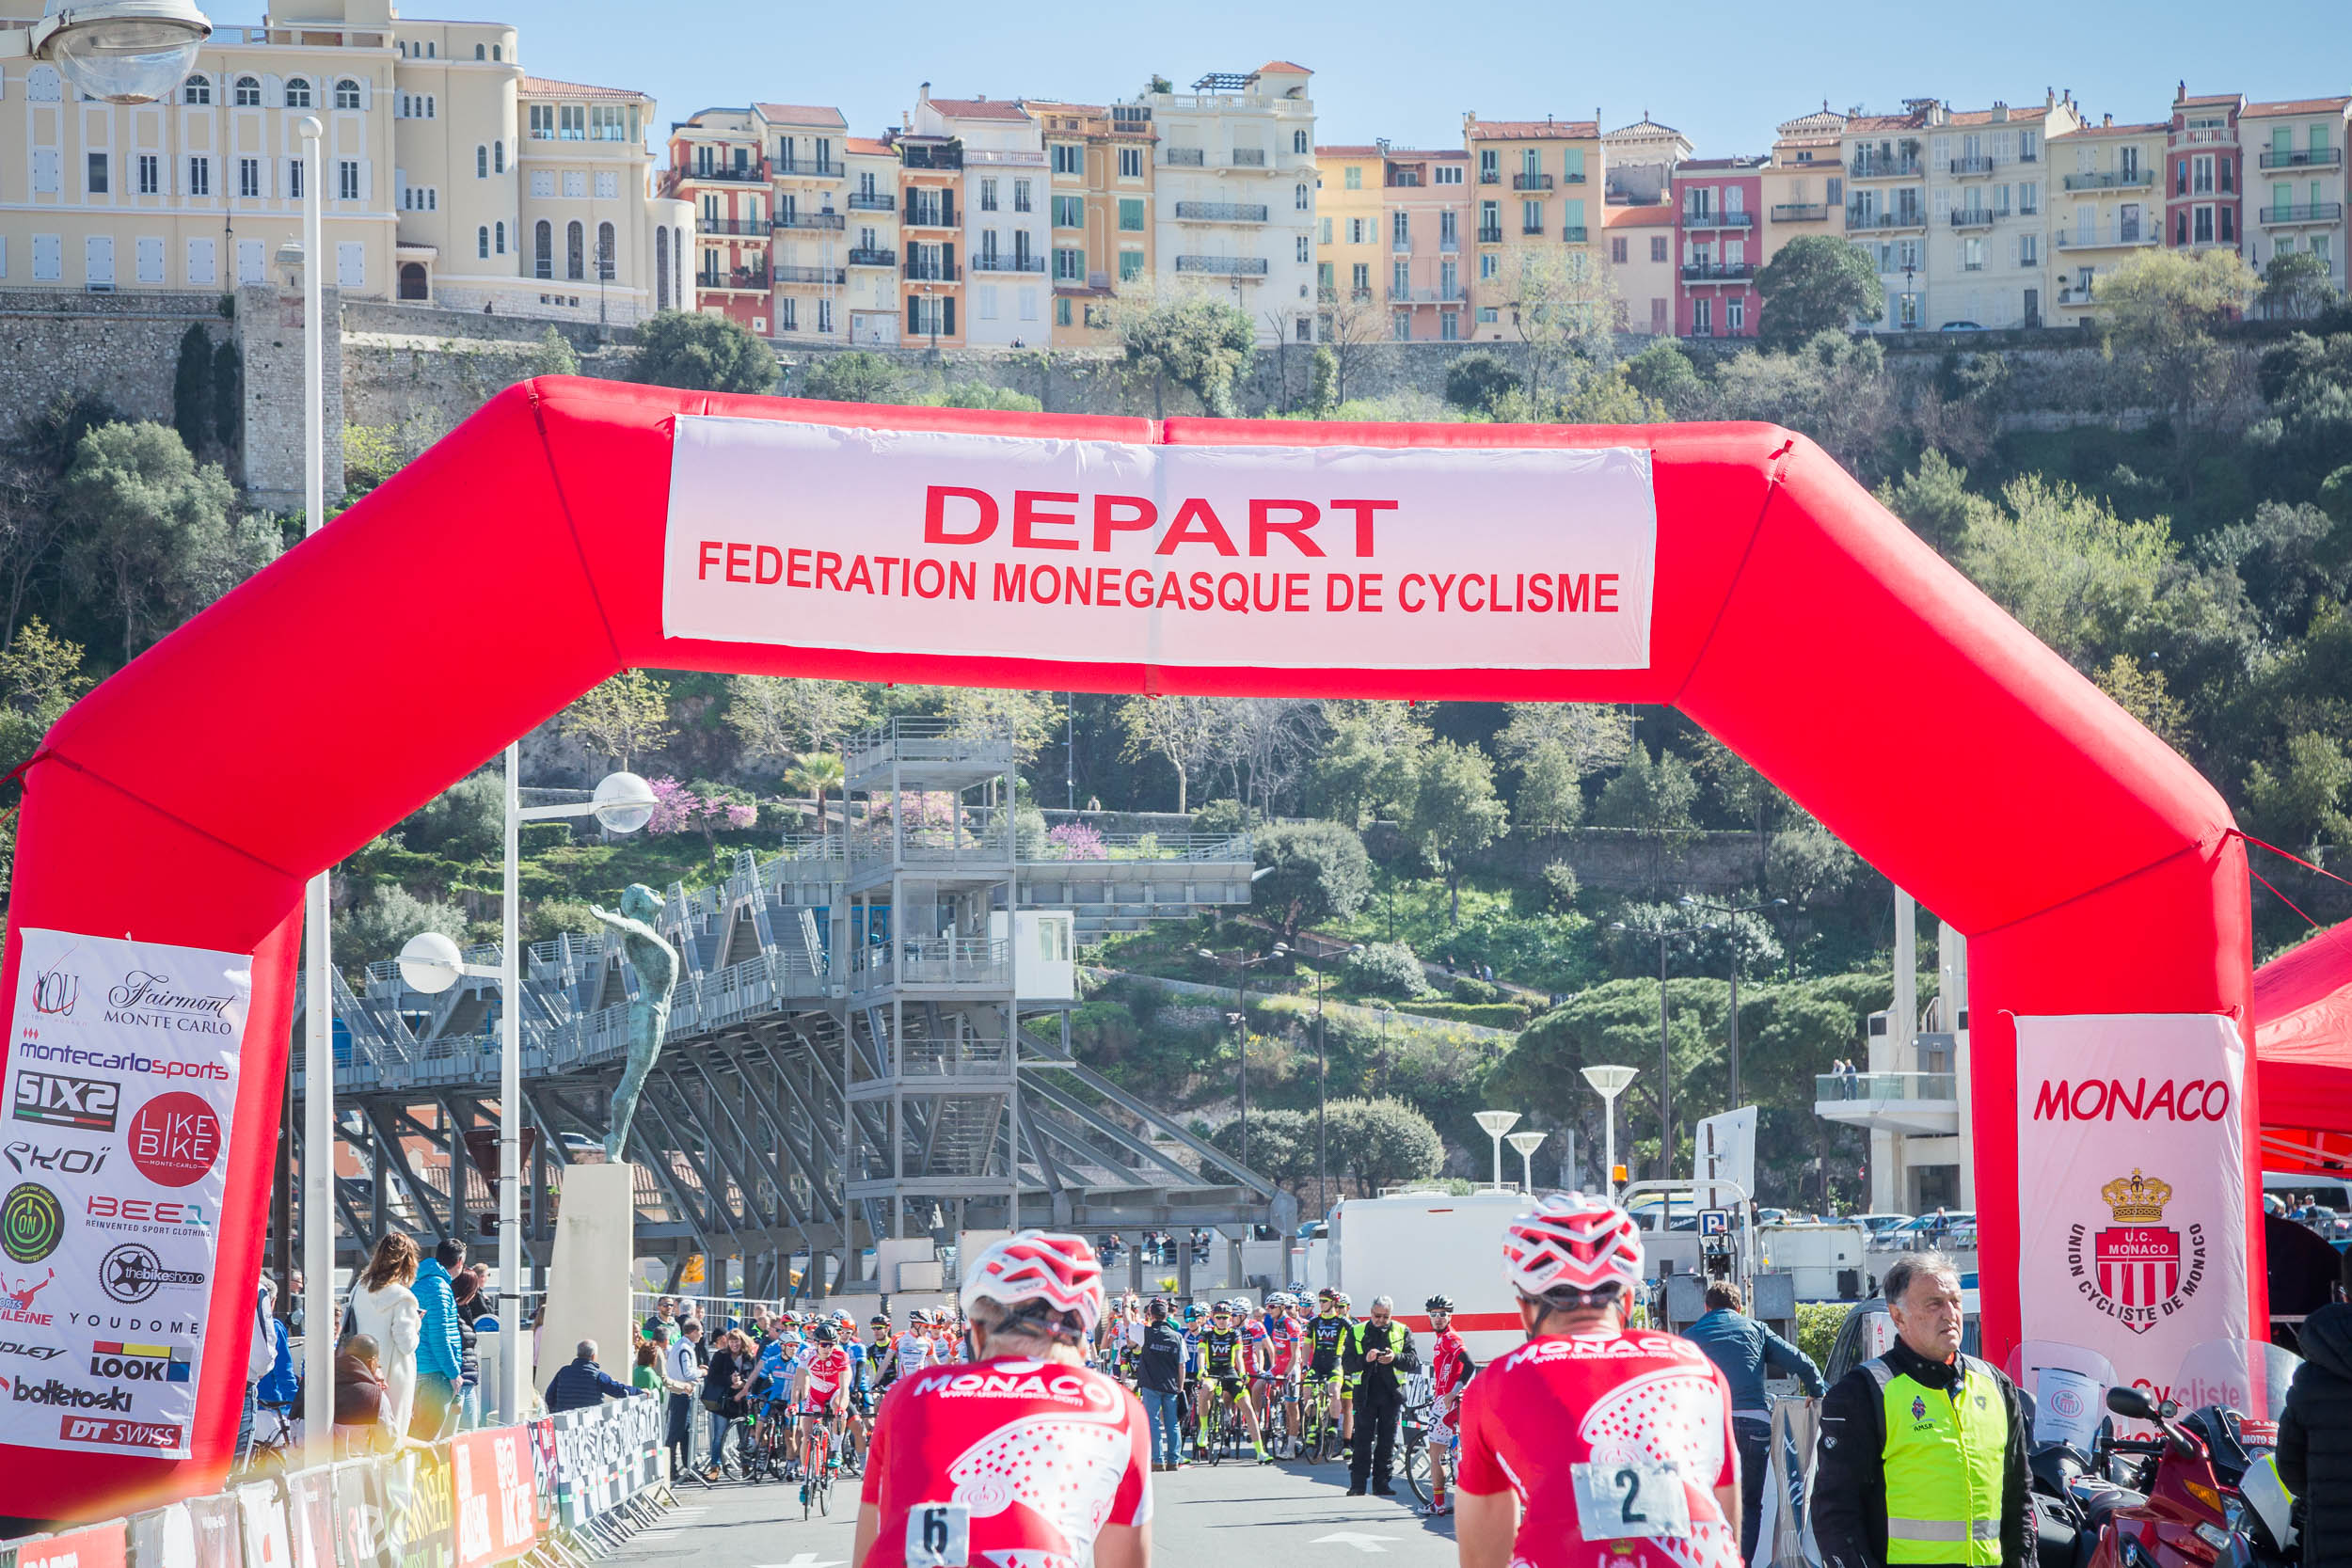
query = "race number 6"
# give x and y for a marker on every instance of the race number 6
(939, 1535)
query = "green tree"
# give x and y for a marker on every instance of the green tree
(2139, 690)
(1935, 500)
(378, 927)
(41, 676)
(228, 394)
(1382, 1142)
(778, 717)
(1475, 379)
(1654, 796)
(1323, 382)
(1456, 812)
(1816, 283)
(552, 354)
(1562, 309)
(699, 354)
(1665, 375)
(1202, 343)
(2296, 286)
(1371, 759)
(2078, 576)
(155, 537)
(192, 388)
(1834, 388)
(466, 822)
(625, 718)
(1549, 797)
(1281, 1145)
(2164, 310)
(1185, 731)
(1594, 735)
(816, 774)
(1310, 872)
(2300, 803)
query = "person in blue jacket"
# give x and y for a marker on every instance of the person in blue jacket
(440, 1348)
(1742, 1349)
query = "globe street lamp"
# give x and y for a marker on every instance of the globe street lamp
(622, 803)
(1496, 1123)
(1526, 1144)
(116, 51)
(1609, 1080)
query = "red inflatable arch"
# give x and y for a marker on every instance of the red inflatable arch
(520, 562)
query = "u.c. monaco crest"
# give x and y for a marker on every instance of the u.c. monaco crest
(2140, 1270)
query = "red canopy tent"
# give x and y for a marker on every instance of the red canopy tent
(2303, 1055)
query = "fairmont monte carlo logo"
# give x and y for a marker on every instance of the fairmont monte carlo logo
(2138, 1270)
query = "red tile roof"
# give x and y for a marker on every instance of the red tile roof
(1284, 66)
(2302, 106)
(1655, 215)
(979, 108)
(1985, 117)
(1061, 106)
(867, 144)
(1863, 125)
(2151, 128)
(1535, 130)
(1347, 153)
(546, 87)
(800, 113)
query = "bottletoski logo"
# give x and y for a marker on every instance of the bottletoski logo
(132, 1273)
(175, 1139)
(52, 1099)
(130, 1363)
(24, 1155)
(32, 1222)
(2140, 1271)
(66, 1395)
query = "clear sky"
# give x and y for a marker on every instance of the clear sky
(1721, 74)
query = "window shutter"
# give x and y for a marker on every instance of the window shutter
(366, 93)
(272, 92)
(367, 179)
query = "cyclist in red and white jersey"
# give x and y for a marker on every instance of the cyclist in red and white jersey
(1590, 1434)
(822, 1395)
(1023, 1457)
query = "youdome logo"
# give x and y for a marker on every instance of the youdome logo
(32, 1222)
(2139, 1271)
(175, 1139)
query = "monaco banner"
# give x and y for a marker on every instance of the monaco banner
(121, 1083)
(2130, 1144)
(921, 542)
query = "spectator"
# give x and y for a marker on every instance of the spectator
(386, 1311)
(581, 1383)
(440, 1348)
(363, 1402)
(1381, 1352)
(1160, 1379)
(685, 1369)
(472, 1301)
(645, 1375)
(730, 1367)
(664, 1317)
(2315, 1438)
(1742, 1349)
(259, 1355)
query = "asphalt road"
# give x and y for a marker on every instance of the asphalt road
(1200, 1516)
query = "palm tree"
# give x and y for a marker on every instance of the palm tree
(816, 773)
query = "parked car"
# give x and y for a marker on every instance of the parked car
(1867, 1331)
(1879, 1223)
(1962, 326)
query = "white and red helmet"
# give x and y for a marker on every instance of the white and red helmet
(1571, 1242)
(1053, 1267)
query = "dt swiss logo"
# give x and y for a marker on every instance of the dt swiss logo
(2138, 1270)
(54, 1100)
(174, 1139)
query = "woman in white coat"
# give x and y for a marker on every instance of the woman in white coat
(385, 1309)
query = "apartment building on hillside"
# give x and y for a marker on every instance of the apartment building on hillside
(2296, 170)
(1234, 194)
(1886, 205)
(450, 177)
(1643, 275)
(2201, 205)
(872, 253)
(1988, 237)
(1006, 230)
(2106, 203)
(931, 231)
(1639, 163)
(719, 166)
(1350, 254)
(1099, 183)
(809, 183)
(1803, 181)
(1426, 216)
(1537, 184)
(1718, 208)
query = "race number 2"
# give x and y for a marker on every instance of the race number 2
(1628, 1500)
(939, 1535)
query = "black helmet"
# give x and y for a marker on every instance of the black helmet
(822, 1333)
(1437, 1304)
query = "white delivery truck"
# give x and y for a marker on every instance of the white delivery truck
(1411, 1245)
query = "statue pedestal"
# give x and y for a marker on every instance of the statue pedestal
(588, 1276)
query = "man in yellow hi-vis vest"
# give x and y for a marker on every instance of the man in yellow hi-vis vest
(1923, 1451)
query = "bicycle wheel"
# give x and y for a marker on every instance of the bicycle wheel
(1414, 1463)
(824, 1498)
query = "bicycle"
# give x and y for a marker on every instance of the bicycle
(1320, 1439)
(1415, 1454)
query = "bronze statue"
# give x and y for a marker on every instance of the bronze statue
(655, 963)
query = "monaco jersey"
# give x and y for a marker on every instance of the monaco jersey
(1027, 1459)
(1613, 1443)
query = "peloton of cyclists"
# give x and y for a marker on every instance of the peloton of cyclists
(1224, 1380)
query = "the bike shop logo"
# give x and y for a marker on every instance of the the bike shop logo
(56, 989)
(54, 1100)
(32, 1222)
(132, 1273)
(2138, 1270)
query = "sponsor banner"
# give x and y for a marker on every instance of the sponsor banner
(2129, 1141)
(120, 1085)
(310, 1514)
(363, 1539)
(105, 1546)
(220, 1535)
(417, 1499)
(1273, 557)
(268, 1542)
(164, 1538)
(495, 1482)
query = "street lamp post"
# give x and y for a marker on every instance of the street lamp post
(1240, 1020)
(1527, 1143)
(1665, 1062)
(1729, 911)
(1495, 1124)
(1609, 1081)
(622, 802)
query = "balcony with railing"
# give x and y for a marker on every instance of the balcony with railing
(1223, 266)
(1426, 296)
(1535, 228)
(933, 272)
(1530, 182)
(747, 279)
(1971, 163)
(2111, 231)
(1925, 1104)
(1861, 220)
(2069, 294)
(1866, 166)
(862, 203)
(1574, 233)
(1717, 271)
(810, 168)
(811, 220)
(1221, 211)
(990, 263)
(1801, 212)
(1714, 219)
(834, 275)
(875, 256)
(736, 227)
(1002, 157)
(2309, 211)
(980, 963)
(2112, 180)
(749, 174)
(1249, 157)
(1976, 217)
(1491, 234)
(2305, 157)
(1184, 157)
(936, 155)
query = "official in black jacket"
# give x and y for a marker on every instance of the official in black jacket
(2315, 1438)
(1381, 1351)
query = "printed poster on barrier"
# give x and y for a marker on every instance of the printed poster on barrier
(267, 1541)
(310, 1515)
(120, 1085)
(164, 1538)
(498, 1516)
(2129, 1143)
(219, 1536)
(104, 1545)
(363, 1541)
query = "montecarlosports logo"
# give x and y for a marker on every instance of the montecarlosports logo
(2139, 1271)
(32, 1222)
(67, 1396)
(132, 1273)
(52, 1099)
(121, 1061)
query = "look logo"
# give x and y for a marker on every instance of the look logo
(175, 1139)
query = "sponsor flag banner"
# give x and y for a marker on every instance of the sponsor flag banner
(361, 1538)
(268, 1544)
(310, 1512)
(498, 1513)
(2129, 1146)
(1275, 556)
(120, 1085)
(220, 1531)
(104, 1545)
(163, 1538)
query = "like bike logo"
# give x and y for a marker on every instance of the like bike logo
(175, 1139)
